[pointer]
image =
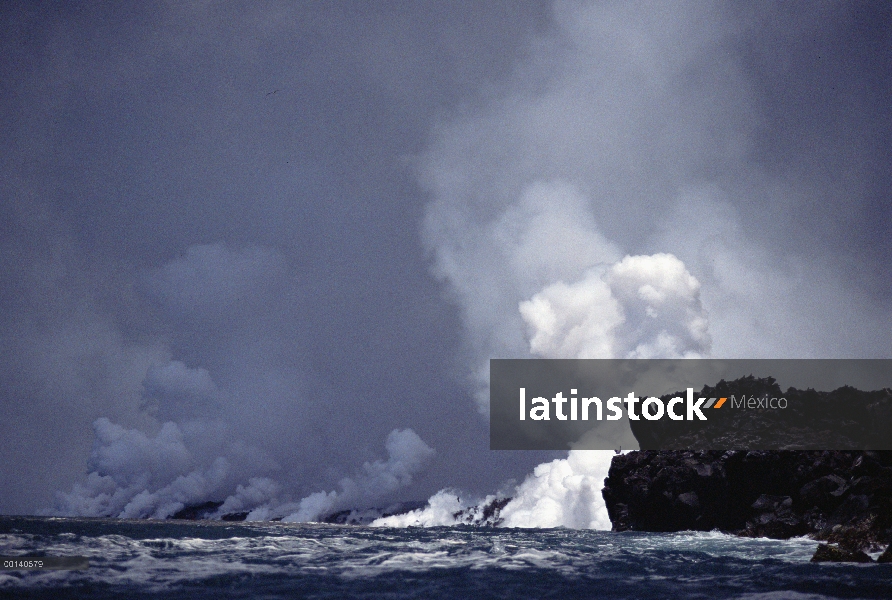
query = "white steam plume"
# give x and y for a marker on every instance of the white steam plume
(199, 442)
(497, 259)
(407, 454)
(642, 307)
(562, 493)
(137, 476)
(190, 459)
(441, 511)
(630, 133)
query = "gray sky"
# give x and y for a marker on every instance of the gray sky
(290, 229)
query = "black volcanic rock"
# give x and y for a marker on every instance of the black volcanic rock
(197, 512)
(826, 553)
(844, 497)
(775, 518)
(485, 515)
(366, 516)
(237, 516)
(841, 497)
(341, 517)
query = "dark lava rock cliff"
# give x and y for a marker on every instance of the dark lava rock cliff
(839, 496)
(844, 497)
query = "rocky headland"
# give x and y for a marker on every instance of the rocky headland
(843, 497)
(837, 496)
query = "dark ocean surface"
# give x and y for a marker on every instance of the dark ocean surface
(176, 559)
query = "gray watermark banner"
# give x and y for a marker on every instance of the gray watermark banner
(758, 404)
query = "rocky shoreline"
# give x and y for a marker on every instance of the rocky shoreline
(836, 496)
(839, 497)
(777, 494)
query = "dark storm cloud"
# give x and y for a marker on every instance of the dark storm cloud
(210, 214)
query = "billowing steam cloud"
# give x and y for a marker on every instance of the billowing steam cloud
(642, 307)
(135, 475)
(192, 456)
(614, 195)
(194, 446)
(538, 199)
(636, 307)
(407, 454)
(562, 493)
(540, 278)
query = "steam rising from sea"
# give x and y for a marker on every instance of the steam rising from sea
(590, 216)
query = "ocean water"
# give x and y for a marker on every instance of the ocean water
(140, 559)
